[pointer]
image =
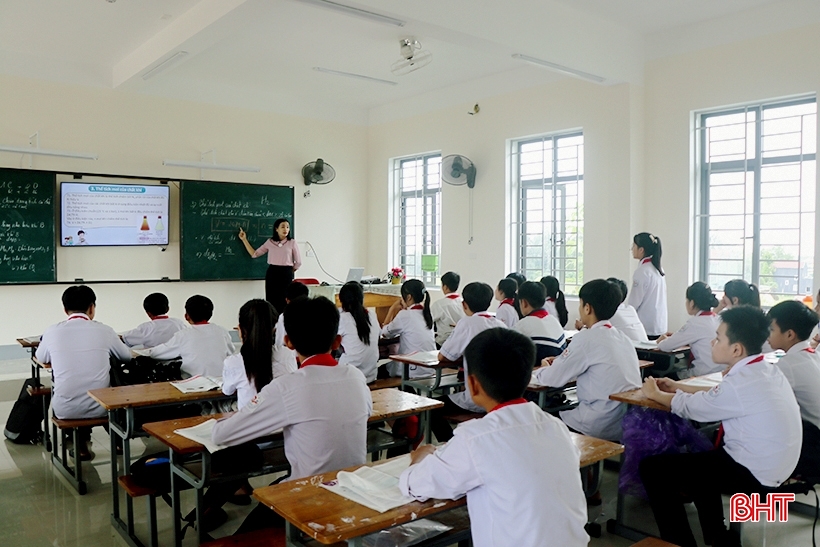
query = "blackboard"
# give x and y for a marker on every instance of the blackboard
(211, 214)
(27, 246)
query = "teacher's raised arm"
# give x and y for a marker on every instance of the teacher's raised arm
(283, 260)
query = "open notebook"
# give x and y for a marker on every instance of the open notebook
(196, 384)
(202, 434)
(376, 487)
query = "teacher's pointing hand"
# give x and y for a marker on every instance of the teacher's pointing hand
(242, 235)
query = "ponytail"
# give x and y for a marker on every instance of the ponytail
(651, 245)
(257, 319)
(746, 293)
(415, 289)
(351, 297)
(428, 315)
(701, 296)
(554, 291)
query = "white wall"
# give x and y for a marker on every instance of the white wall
(132, 134)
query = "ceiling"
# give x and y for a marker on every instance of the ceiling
(261, 54)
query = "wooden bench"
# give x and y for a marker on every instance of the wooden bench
(465, 416)
(653, 542)
(59, 453)
(134, 491)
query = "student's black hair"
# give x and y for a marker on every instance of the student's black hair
(415, 288)
(534, 293)
(796, 316)
(351, 296)
(478, 296)
(78, 298)
(312, 325)
(295, 289)
(520, 279)
(156, 303)
(502, 360)
(746, 293)
(452, 280)
(508, 287)
(257, 319)
(199, 308)
(701, 296)
(276, 223)
(554, 291)
(604, 297)
(621, 286)
(748, 326)
(651, 247)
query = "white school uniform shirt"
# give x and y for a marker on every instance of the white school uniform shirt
(549, 305)
(518, 467)
(627, 321)
(506, 313)
(447, 312)
(761, 419)
(454, 347)
(603, 361)
(545, 331)
(414, 336)
(154, 332)
(648, 297)
(323, 410)
(235, 379)
(203, 348)
(286, 355)
(363, 357)
(78, 350)
(698, 333)
(801, 366)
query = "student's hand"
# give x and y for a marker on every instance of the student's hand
(420, 453)
(547, 361)
(242, 235)
(650, 387)
(578, 324)
(815, 341)
(663, 337)
(666, 385)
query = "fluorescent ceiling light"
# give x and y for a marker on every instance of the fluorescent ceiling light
(561, 68)
(356, 12)
(352, 75)
(216, 166)
(165, 65)
(45, 152)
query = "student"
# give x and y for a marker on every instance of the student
(603, 361)
(517, 465)
(447, 311)
(294, 290)
(520, 279)
(359, 329)
(410, 319)
(203, 347)
(78, 350)
(698, 332)
(626, 318)
(159, 329)
(507, 311)
(648, 295)
(556, 305)
(477, 299)
(738, 292)
(542, 328)
(761, 434)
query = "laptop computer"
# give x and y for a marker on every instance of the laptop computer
(354, 274)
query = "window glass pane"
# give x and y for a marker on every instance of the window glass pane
(418, 195)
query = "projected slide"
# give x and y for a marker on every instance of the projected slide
(113, 214)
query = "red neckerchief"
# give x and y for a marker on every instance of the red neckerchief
(507, 301)
(510, 403)
(416, 307)
(810, 350)
(82, 316)
(550, 299)
(720, 429)
(452, 296)
(321, 359)
(484, 314)
(701, 314)
(540, 314)
(647, 259)
(159, 317)
(604, 323)
(201, 323)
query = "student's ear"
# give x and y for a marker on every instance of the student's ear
(735, 301)
(92, 309)
(475, 386)
(337, 342)
(288, 344)
(790, 335)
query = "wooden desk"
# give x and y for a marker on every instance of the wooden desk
(427, 359)
(637, 398)
(380, 302)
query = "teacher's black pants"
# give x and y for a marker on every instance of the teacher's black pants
(671, 480)
(277, 279)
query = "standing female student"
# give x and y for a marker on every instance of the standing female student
(507, 311)
(698, 332)
(283, 261)
(359, 329)
(648, 294)
(410, 319)
(556, 304)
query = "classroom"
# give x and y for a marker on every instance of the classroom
(587, 122)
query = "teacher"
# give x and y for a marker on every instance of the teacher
(283, 260)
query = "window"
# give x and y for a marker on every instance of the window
(756, 197)
(417, 229)
(548, 208)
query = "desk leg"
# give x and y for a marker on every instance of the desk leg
(112, 434)
(292, 535)
(126, 466)
(542, 399)
(424, 423)
(617, 526)
(175, 502)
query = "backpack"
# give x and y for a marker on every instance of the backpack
(153, 471)
(26, 417)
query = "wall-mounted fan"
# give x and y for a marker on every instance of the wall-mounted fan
(318, 172)
(412, 57)
(458, 170)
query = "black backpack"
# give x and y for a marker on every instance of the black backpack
(26, 417)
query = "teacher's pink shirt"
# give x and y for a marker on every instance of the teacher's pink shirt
(281, 253)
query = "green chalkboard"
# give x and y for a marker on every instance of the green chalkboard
(211, 214)
(27, 248)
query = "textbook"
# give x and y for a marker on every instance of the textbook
(196, 384)
(202, 434)
(426, 357)
(375, 487)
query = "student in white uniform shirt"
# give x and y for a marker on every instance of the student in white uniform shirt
(518, 466)
(447, 311)
(203, 347)
(626, 318)
(159, 329)
(323, 407)
(411, 320)
(293, 291)
(78, 350)
(698, 332)
(542, 328)
(477, 299)
(601, 359)
(648, 294)
(739, 292)
(506, 294)
(760, 430)
(359, 329)
(556, 304)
